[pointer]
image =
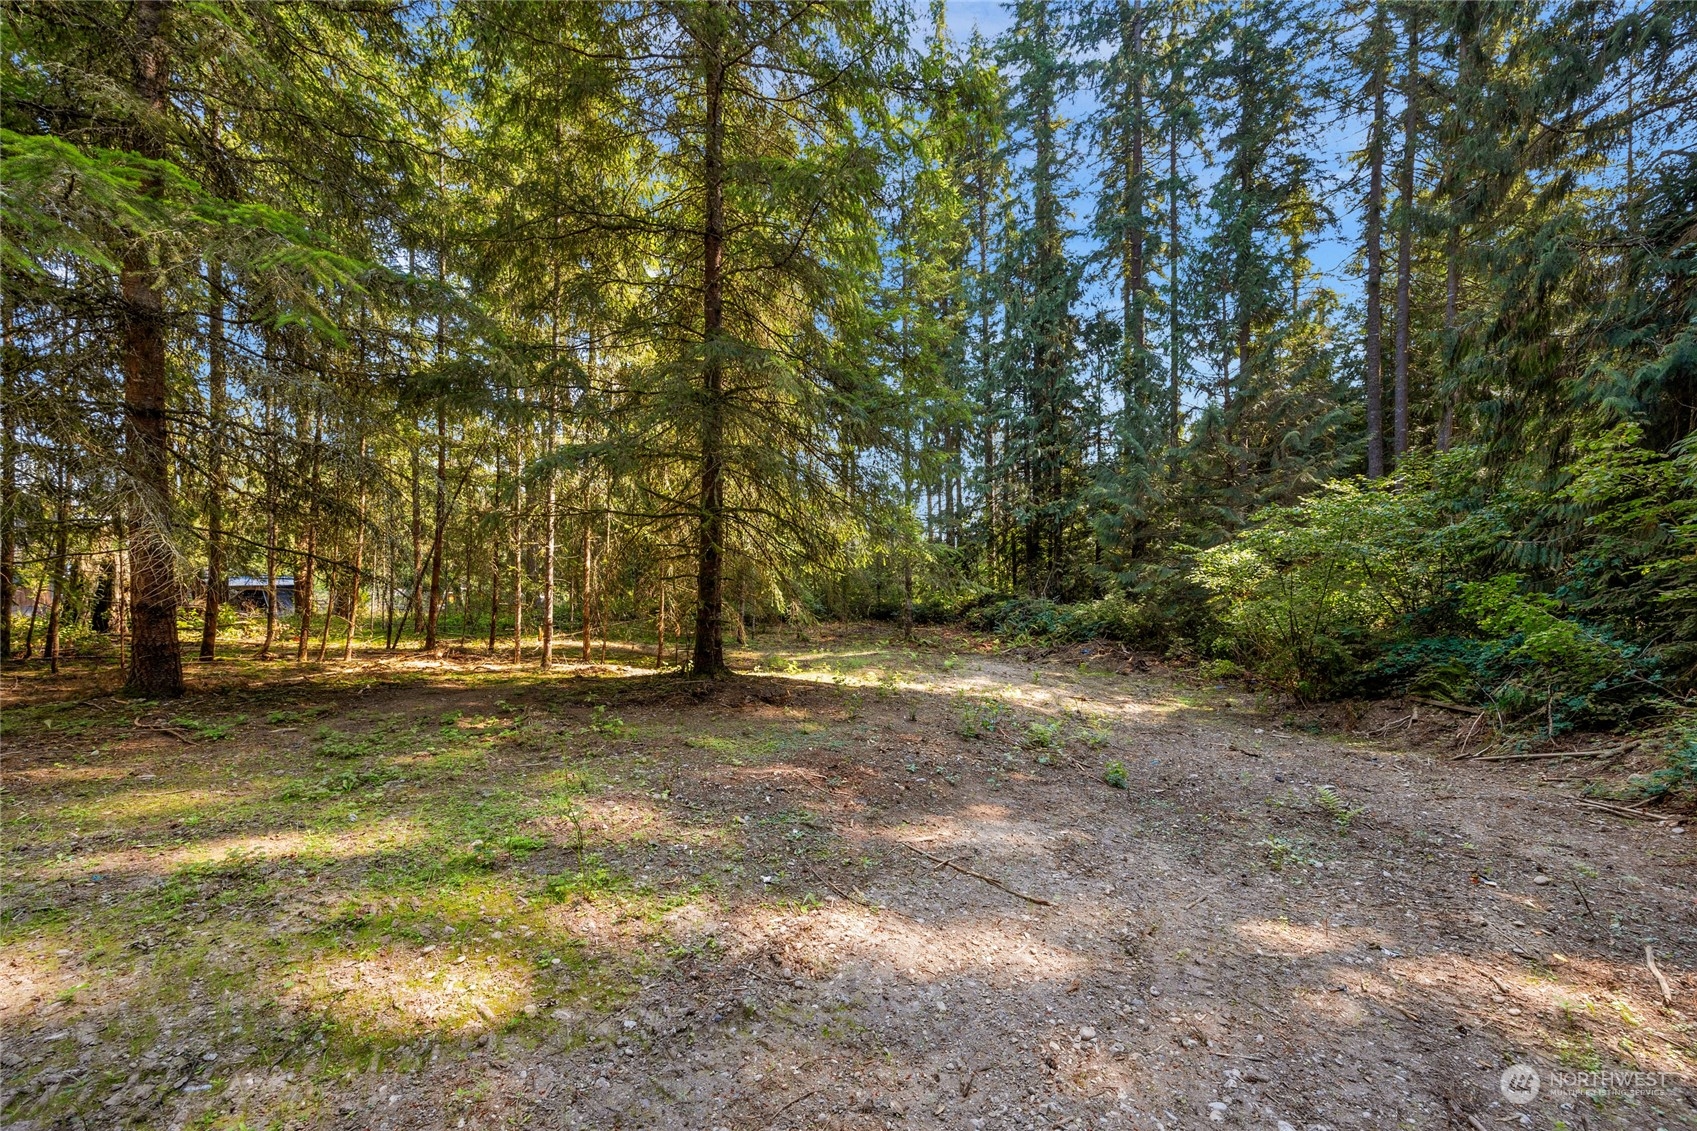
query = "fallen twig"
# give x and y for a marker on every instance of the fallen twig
(1607, 750)
(1458, 708)
(1661, 979)
(179, 735)
(1392, 725)
(992, 881)
(1582, 898)
(1630, 814)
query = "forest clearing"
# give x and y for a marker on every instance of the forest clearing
(722, 564)
(865, 885)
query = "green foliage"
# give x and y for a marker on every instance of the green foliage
(1678, 776)
(593, 877)
(1114, 774)
(1044, 736)
(339, 783)
(1334, 807)
(979, 717)
(609, 726)
(1302, 597)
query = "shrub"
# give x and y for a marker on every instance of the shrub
(1305, 597)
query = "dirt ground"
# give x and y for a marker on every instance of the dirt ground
(866, 886)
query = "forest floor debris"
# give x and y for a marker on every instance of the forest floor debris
(409, 893)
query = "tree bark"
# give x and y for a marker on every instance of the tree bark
(270, 530)
(358, 563)
(60, 553)
(8, 483)
(709, 654)
(437, 538)
(1174, 341)
(1375, 265)
(495, 562)
(1133, 283)
(549, 518)
(215, 409)
(303, 584)
(588, 587)
(1405, 236)
(518, 545)
(660, 625)
(156, 661)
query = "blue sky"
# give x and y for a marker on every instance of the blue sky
(1331, 252)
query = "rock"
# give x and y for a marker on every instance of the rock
(1217, 1112)
(1086, 1033)
(1540, 879)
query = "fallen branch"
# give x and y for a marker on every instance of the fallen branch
(1618, 810)
(992, 881)
(1458, 708)
(179, 735)
(1407, 720)
(1661, 979)
(1607, 750)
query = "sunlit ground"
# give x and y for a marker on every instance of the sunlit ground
(870, 881)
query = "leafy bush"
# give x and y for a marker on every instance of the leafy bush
(1151, 619)
(1679, 775)
(1309, 594)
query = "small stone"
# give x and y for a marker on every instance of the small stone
(1087, 1033)
(1540, 880)
(1216, 1112)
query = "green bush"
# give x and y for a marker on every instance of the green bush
(1310, 594)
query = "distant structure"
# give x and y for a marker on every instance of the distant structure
(247, 595)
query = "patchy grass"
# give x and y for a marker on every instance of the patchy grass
(258, 905)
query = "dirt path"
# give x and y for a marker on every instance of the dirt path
(1264, 929)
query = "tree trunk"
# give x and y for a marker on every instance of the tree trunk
(214, 460)
(660, 626)
(1405, 236)
(436, 539)
(60, 553)
(495, 564)
(303, 584)
(413, 606)
(1174, 341)
(1375, 265)
(549, 521)
(34, 611)
(709, 656)
(358, 564)
(1452, 284)
(588, 588)
(518, 545)
(270, 530)
(156, 661)
(8, 485)
(1133, 284)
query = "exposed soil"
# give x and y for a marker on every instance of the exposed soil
(869, 887)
